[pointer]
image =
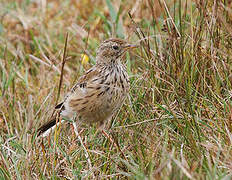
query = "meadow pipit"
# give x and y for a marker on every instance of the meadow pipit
(101, 91)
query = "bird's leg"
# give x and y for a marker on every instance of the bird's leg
(115, 143)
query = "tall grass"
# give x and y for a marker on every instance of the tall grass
(176, 122)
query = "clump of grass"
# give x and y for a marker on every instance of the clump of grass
(176, 124)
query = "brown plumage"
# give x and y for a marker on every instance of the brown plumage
(101, 91)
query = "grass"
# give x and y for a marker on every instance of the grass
(176, 123)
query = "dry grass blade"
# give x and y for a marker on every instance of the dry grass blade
(177, 123)
(62, 67)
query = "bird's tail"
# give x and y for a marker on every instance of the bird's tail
(45, 129)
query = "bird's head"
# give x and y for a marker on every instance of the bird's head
(111, 50)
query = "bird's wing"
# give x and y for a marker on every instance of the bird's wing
(83, 82)
(77, 91)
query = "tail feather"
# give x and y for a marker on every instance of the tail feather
(47, 126)
(60, 106)
(51, 124)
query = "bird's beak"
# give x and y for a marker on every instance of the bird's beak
(130, 46)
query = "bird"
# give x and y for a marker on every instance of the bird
(101, 91)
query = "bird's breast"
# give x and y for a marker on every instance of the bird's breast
(102, 95)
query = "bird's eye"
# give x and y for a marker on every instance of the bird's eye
(115, 47)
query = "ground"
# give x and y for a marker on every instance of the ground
(176, 122)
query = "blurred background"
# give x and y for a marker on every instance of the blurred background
(176, 122)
